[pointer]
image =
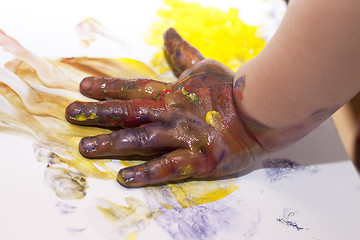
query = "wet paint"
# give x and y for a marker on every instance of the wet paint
(208, 29)
(82, 117)
(192, 97)
(213, 119)
(198, 193)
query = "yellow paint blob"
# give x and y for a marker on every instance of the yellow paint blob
(217, 34)
(132, 236)
(213, 119)
(197, 193)
(81, 117)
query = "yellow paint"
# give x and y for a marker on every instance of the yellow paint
(130, 163)
(127, 220)
(217, 34)
(197, 193)
(213, 119)
(187, 170)
(167, 206)
(81, 117)
(132, 236)
(192, 97)
(37, 110)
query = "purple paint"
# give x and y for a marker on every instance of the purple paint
(287, 219)
(290, 224)
(221, 219)
(65, 208)
(240, 83)
(280, 168)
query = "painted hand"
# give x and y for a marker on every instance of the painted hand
(189, 129)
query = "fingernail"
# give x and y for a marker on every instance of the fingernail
(87, 83)
(126, 177)
(74, 109)
(89, 144)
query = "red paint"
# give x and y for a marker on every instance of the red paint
(238, 94)
(166, 91)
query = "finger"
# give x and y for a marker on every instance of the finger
(147, 140)
(180, 164)
(120, 113)
(120, 88)
(179, 53)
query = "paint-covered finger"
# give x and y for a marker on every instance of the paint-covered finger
(119, 113)
(120, 88)
(177, 165)
(179, 53)
(148, 140)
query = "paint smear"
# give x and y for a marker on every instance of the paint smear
(278, 169)
(218, 35)
(198, 193)
(34, 93)
(126, 221)
(223, 219)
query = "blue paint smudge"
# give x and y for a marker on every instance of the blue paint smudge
(65, 208)
(290, 224)
(240, 83)
(222, 155)
(279, 168)
(287, 220)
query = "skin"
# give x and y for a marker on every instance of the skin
(307, 71)
(189, 129)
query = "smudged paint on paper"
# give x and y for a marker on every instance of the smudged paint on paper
(289, 219)
(123, 222)
(66, 183)
(34, 94)
(65, 208)
(195, 193)
(212, 220)
(280, 168)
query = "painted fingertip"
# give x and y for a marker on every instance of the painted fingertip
(74, 109)
(126, 178)
(87, 84)
(88, 145)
